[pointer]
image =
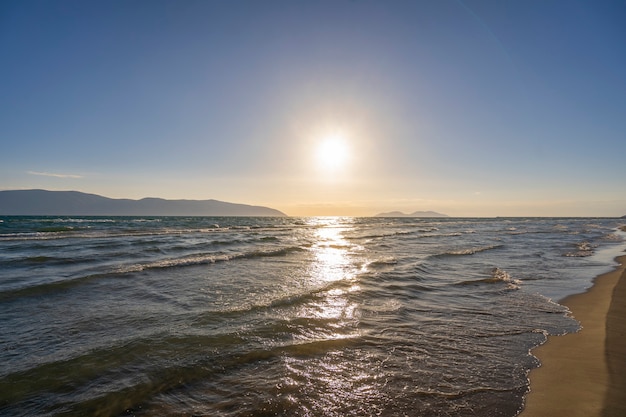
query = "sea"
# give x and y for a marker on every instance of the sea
(286, 316)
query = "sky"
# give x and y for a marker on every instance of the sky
(465, 107)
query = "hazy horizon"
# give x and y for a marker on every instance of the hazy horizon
(468, 108)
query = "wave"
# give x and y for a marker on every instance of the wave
(290, 301)
(497, 276)
(512, 231)
(380, 235)
(77, 220)
(383, 262)
(42, 260)
(500, 275)
(451, 234)
(55, 229)
(186, 261)
(468, 251)
(98, 256)
(48, 287)
(210, 258)
(87, 233)
(204, 244)
(419, 233)
(284, 301)
(584, 249)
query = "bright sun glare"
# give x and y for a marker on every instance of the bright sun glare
(332, 153)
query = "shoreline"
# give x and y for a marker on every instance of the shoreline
(584, 373)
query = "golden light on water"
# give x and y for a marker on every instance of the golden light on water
(333, 263)
(335, 310)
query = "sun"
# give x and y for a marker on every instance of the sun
(332, 153)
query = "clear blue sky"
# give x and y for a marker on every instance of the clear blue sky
(471, 108)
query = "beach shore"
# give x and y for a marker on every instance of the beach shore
(584, 373)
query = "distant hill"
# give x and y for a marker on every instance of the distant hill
(74, 203)
(414, 214)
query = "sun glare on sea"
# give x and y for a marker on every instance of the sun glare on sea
(332, 153)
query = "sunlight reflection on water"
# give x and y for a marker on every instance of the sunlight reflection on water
(332, 253)
(340, 380)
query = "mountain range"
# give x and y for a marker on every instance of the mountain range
(43, 202)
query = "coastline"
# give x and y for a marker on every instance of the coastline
(584, 373)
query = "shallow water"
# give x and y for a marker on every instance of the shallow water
(284, 316)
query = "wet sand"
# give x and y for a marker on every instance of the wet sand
(584, 373)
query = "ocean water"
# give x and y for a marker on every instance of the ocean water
(159, 316)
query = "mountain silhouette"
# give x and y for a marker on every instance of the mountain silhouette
(43, 202)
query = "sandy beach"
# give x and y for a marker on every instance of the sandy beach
(584, 373)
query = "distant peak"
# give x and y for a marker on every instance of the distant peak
(414, 214)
